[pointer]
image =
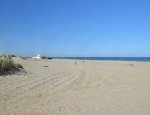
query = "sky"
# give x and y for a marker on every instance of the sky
(70, 28)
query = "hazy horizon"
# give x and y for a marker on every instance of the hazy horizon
(81, 28)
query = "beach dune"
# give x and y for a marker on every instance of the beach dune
(60, 87)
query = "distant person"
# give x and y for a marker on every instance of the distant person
(83, 61)
(75, 62)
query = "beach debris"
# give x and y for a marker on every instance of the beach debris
(45, 66)
(131, 64)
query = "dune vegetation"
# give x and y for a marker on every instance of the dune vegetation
(7, 64)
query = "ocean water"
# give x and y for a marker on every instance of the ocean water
(144, 59)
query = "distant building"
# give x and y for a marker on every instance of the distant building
(37, 57)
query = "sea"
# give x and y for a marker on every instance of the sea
(139, 59)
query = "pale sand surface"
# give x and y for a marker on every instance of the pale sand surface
(90, 88)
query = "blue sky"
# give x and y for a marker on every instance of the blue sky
(75, 27)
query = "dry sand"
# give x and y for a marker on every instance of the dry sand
(90, 88)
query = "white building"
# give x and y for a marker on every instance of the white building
(37, 57)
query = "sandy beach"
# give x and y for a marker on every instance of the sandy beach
(59, 87)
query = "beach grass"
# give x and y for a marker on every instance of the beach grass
(7, 64)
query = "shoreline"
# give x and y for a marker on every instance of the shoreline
(101, 60)
(137, 59)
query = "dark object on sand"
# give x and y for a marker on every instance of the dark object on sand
(45, 66)
(131, 64)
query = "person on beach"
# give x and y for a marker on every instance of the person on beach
(75, 62)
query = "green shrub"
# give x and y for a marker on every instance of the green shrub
(0, 67)
(7, 64)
